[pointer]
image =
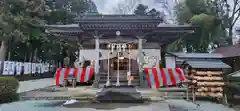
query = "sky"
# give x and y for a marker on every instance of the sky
(106, 6)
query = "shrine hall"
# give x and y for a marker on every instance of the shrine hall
(118, 45)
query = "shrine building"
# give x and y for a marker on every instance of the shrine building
(121, 44)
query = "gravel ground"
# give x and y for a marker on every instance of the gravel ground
(29, 85)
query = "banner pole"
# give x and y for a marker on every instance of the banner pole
(129, 72)
(118, 84)
(108, 78)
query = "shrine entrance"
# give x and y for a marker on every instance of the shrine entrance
(119, 63)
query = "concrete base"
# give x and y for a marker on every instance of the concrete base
(119, 94)
(96, 81)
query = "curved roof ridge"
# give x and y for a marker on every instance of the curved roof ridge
(63, 26)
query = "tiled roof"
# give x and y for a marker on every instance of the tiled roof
(64, 26)
(230, 51)
(212, 64)
(235, 74)
(196, 55)
(69, 29)
(116, 17)
(118, 22)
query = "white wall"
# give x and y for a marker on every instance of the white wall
(170, 61)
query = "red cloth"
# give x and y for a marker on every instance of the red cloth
(81, 74)
(158, 77)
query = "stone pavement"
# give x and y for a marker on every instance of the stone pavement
(88, 92)
(209, 106)
(168, 105)
(29, 85)
(60, 93)
(79, 93)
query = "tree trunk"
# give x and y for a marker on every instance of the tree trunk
(3, 50)
(25, 56)
(230, 34)
(26, 53)
(9, 50)
(30, 57)
(9, 55)
(35, 57)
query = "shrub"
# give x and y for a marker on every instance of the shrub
(8, 89)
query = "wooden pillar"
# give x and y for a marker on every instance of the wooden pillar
(96, 66)
(140, 60)
(163, 53)
(97, 45)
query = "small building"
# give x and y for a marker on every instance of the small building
(208, 70)
(181, 57)
(119, 44)
(231, 56)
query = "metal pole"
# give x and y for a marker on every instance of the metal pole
(129, 72)
(108, 78)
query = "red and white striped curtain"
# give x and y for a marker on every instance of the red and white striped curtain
(81, 74)
(158, 77)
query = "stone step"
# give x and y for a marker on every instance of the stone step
(124, 94)
(101, 85)
(166, 93)
(115, 77)
(115, 74)
(105, 77)
(122, 81)
(172, 89)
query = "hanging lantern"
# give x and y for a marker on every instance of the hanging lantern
(113, 46)
(124, 46)
(109, 46)
(119, 47)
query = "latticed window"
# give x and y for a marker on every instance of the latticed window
(122, 64)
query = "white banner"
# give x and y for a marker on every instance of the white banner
(33, 68)
(21, 67)
(26, 69)
(11, 66)
(42, 68)
(18, 68)
(1, 66)
(37, 68)
(29, 67)
(46, 68)
(5, 68)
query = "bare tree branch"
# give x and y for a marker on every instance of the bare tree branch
(233, 11)
(236, 18)
(126, 7)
